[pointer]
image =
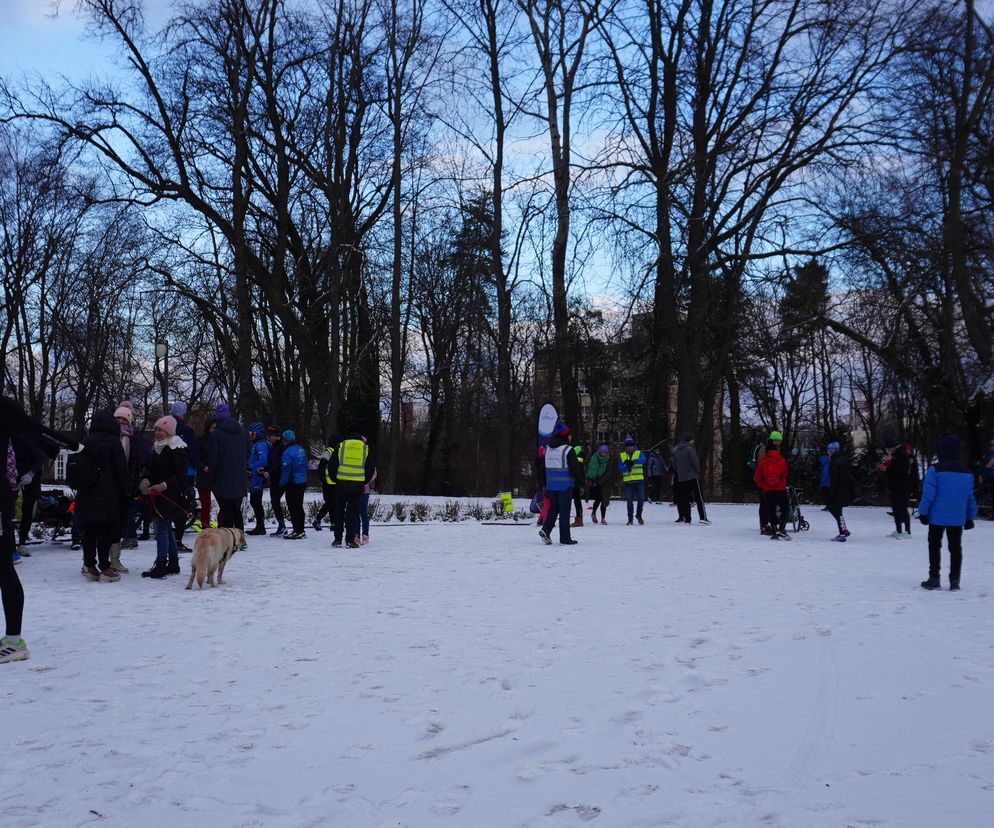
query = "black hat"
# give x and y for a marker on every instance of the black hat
(890, 442)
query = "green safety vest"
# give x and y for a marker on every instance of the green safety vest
(327, 466)
(352, 461)
(636, 473)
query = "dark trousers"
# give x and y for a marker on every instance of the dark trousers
(655, 488)
(578, 503)
(204, 495)
(774, 509)
(179, 522)
(683, 498)
(899, 506)
(695, 490)
(328, 507)
(599, 498)
(29, 499)
(97, 540)
(229, 512)
(275, 496)
(836, 511)
(295, 504)
(561, 502)
(255, 498)
(954, 539)
(635, 492)
(347, 506)
(10, 584)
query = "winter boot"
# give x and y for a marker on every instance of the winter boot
(108, 575)
(172, 568)
(115, 558)
(639, 519)
(91, 573)
(932, 583)
(954, 584)
(158, 570)
(594, 516)
(577, 521)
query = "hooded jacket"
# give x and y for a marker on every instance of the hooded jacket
(294, 465)
(947, 491)
(686, 466)
(771, 472)
(227, 454)
(841, 491)
(107, 500)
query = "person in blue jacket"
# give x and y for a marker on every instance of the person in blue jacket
(825, 478)
(258, 460)
(947, 506)
(293, 479)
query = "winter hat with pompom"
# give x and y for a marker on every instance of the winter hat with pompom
(167, 424)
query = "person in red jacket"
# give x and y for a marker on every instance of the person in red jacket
(771, 477)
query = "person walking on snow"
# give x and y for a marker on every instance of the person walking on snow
(293, 480)
(562, 471)
(258, 460)
(900, 477)
(771, 478)
(599, 479)
(631, 466)
(947, 506)
(840, 493)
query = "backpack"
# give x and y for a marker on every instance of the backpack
(82, 471)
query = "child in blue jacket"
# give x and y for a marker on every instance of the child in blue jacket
(947, 506)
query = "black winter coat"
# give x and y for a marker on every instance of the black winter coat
(842, 491)
(107, 501)
(168, 465)
(900, 474)
(275, 464)
(227, 460)
(189, 436)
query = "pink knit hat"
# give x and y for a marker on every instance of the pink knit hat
(167, 424)
(127, 404)
(124, 411)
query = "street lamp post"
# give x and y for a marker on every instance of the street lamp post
(162, 352)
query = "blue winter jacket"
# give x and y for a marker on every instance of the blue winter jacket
(825, 481)
(947, 491)
(258, 460)
(294, 465)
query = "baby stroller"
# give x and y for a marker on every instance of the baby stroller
(54, 511)
(794, 516)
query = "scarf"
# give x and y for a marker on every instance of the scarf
(174, 442)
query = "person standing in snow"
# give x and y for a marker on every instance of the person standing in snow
(203, 479)
(327, 483)
(631, 466)
(194, 461)
(258, 460)
(102, 505)
(562, 471)
(163, 487)
(352, 467)
(227, 452)
(132, 452)
(947, 506)
(687, 469)
(272, 473)
(293, 481)
(840, 493)
(771, 478)
(578, 491)
(654, 470)
(599, 480)
(899, 474)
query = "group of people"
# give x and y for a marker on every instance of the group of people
(563, 475)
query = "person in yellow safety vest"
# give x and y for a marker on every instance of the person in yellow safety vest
(327, 484)
(631, 464)
(578, 490)
(351, 468)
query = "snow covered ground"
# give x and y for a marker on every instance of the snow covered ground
(467, 675)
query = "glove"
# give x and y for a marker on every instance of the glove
(143, 486)
(968, 525)
(25, 480)
(923, 520)
(158, 488)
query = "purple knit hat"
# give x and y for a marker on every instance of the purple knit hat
(222, 412)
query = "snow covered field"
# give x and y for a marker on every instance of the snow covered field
(467, 675)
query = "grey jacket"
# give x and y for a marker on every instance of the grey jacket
(685, 462)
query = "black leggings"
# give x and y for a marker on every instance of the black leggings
(255, 498)
(771, 502)
(899, 506)
(599, 499)
(328, 507)
(275, 498)
(10, 584)
(836, 512)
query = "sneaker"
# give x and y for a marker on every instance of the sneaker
(336, 544)
(954, 585)
(353, 544)
(630, 523)
(846, 532)
(840, 538)
(76, 546)
(109, 575)
(639, 519)
(295, 536)
(545, 538)
(766, 530)
(775, 536)
(23, 551)
(905, 536)
(594, 517)
(280, 530)
(11, 650)
(678, 520)
(316, 525)
(16, 558)
(91, 573)
(259, 530)
(603, 521)
(129, 543)
(364, 540)
(182, 547)
(570, 542)
(704, 522)
(932, 583)
(895, 535)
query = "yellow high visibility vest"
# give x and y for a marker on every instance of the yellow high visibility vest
(352, 461)
(327, 466)
(637, 472)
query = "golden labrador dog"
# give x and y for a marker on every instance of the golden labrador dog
(213, 549)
